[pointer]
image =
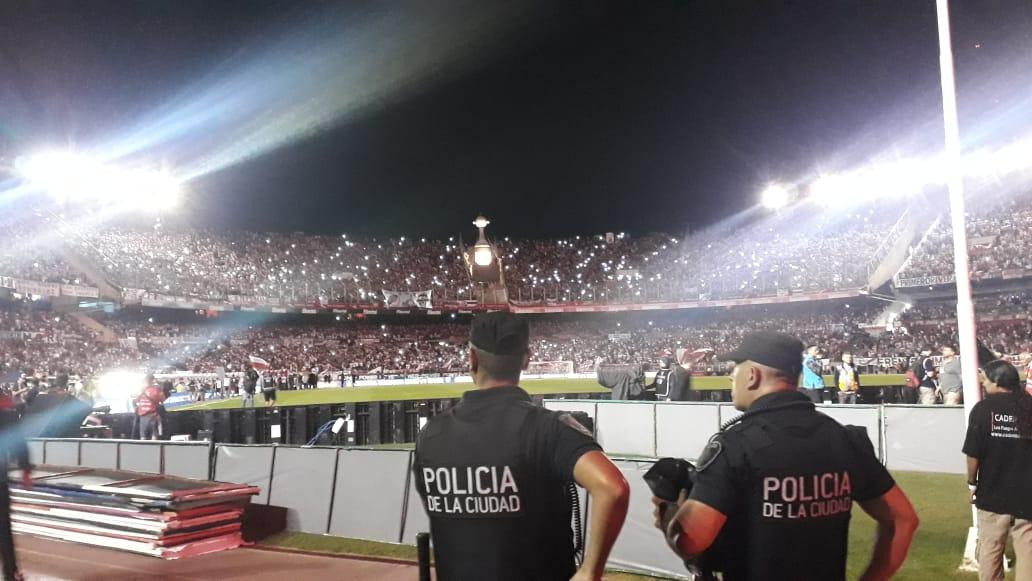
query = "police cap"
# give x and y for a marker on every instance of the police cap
(778, 350)
(500, 333)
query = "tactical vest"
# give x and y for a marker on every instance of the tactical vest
(495, 512)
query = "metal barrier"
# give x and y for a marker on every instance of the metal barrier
(370, 493)
(918, 438)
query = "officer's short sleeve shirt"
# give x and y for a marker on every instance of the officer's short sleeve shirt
(565, 442)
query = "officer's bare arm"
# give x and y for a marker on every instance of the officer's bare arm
(897, 523)
(694, 528)
(610, 494)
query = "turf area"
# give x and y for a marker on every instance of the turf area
(940, 500)
(450, 390)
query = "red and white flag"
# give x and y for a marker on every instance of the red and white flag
(259, 363)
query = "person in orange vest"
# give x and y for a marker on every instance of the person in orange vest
(13, 450)
(148, 404)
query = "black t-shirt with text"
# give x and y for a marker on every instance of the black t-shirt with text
(494, 474)
(1005, 456)
(786, 477)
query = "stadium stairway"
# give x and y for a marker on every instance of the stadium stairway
(106, 334)
(92, 273)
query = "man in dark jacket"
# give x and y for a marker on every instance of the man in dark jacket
(250, 383)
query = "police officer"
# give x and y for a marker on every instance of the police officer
(778, 485)
(12, 451)
(495, 473)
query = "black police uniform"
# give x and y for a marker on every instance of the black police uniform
(494, 473)
(786, 476)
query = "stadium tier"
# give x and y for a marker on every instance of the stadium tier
(42, 342)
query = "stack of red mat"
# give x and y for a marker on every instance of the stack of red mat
(157, 515)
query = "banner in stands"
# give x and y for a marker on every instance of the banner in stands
(402, 299)
(704, 304)
(925, 280)
(6, 282)
(75, 290)
(32, 287)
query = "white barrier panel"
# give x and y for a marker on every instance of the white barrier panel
(302, 481)
(99, 454)
(626, 428)
(36, 452)
(728, 413)
(571, 405)
(368, 492)
(140, 457)
(866, 416)
(188, 460)
(416, 520)
(682, 429)
(62, 453)
(925, 438)
(245, 465)
(640, 547)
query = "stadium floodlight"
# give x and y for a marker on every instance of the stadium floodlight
(77, 177)
(116, 388)
(775, 197)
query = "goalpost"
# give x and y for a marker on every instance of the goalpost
(549, 367)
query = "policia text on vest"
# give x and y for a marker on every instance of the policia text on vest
(473, 491)
(772, 493)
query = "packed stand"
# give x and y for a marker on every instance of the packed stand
(998, 241)
(29, 250)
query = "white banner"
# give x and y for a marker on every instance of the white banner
(75, 290)
(31, 287)
(402, 299)
(925, 280)
(6, 282)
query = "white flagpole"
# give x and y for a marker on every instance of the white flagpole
(955, 186)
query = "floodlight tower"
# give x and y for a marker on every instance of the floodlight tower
(955, 187)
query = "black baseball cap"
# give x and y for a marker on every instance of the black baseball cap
(500, 333)
(778, 350)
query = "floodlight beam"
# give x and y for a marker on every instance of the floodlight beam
(774, 197)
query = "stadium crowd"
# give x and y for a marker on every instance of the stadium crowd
(999, 239)
(299, 268)
(44, 343)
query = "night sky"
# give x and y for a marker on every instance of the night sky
(582, 117)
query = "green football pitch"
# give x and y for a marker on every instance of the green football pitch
(450, 390)
(940, 501)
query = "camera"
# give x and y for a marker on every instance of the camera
(669, 476)
(666, 479)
